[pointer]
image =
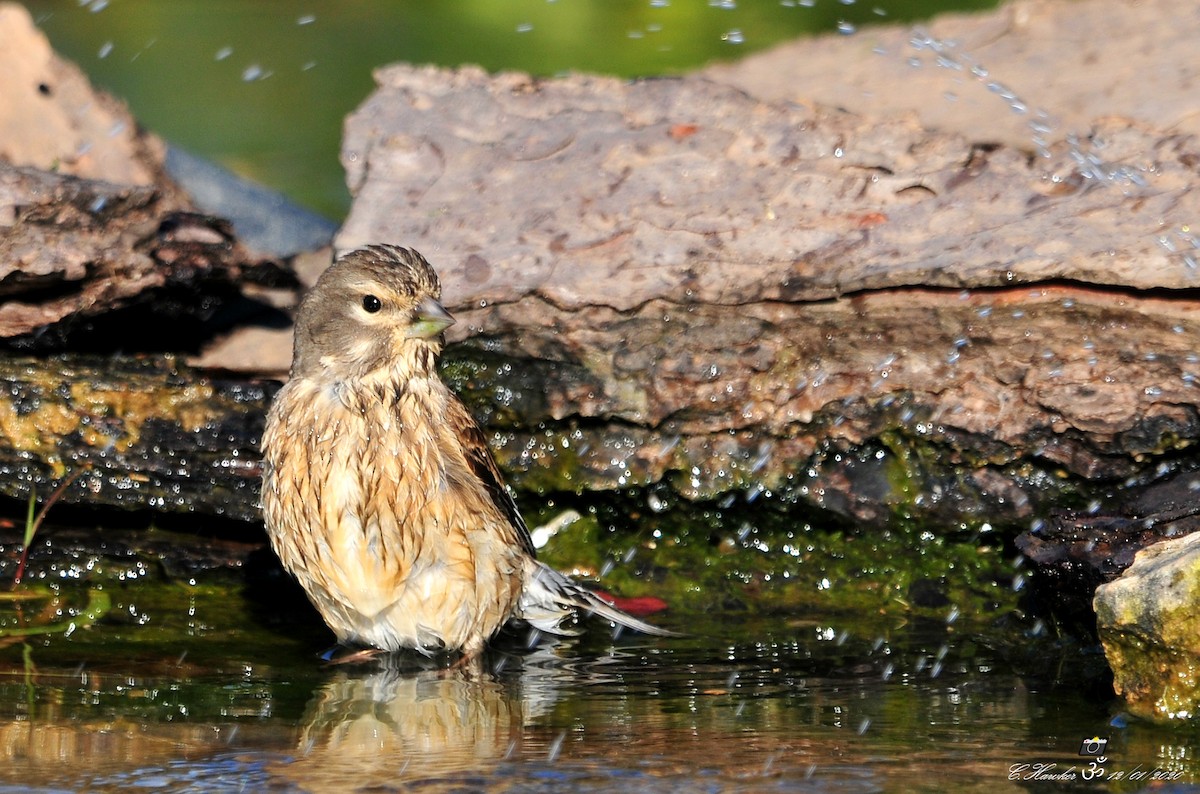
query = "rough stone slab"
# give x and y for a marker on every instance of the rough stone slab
(692, 192)
(989, 76)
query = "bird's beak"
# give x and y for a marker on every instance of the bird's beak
(429, 320)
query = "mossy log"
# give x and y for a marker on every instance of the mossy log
(143, 433)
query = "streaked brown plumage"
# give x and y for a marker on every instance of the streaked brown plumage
(379, 492)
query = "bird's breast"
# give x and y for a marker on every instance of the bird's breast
(367, 505)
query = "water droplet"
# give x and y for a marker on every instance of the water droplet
(105, 49)
(555, 747)
(846, 28)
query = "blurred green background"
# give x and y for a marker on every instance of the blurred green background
(262, 86)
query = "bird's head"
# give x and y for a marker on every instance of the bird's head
(376, 309)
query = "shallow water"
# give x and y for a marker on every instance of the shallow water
(213, 689)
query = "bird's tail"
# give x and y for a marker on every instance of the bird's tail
(550, 602)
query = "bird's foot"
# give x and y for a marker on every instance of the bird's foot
(340, 655)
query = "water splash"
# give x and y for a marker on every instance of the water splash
(1086, 153)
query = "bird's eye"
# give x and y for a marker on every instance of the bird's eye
(372, 304)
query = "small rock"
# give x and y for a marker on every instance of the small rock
(1149, 622)
(264, 220)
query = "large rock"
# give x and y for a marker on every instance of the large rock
(90, 222)
(1149, 622)
(734, 295)
(685, 190)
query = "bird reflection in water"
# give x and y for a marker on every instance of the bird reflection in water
(387, 724)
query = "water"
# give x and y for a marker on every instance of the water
(212, 693)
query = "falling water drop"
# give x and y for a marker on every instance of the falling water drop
(555, 747)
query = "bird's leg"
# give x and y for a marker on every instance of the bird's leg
(470, 662)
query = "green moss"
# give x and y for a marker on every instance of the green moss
(761, 559)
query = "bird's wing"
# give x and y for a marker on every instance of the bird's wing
(483, 465)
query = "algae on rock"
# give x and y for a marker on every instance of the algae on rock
(1149, 622)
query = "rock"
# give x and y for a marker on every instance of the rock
(52, 119)
(736, 296)
(1148, 622)
(264, 220)
(691, 192)
(862, 315)
(73, 249)
(145, 433)
(264, 349)
(91, 226)
(1073, 551)
(983, 75)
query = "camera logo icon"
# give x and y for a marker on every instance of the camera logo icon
(1093, 746)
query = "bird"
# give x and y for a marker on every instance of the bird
(380, 494)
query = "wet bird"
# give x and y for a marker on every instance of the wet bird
(379, 491)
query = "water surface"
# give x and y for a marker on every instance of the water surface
(195, 687)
